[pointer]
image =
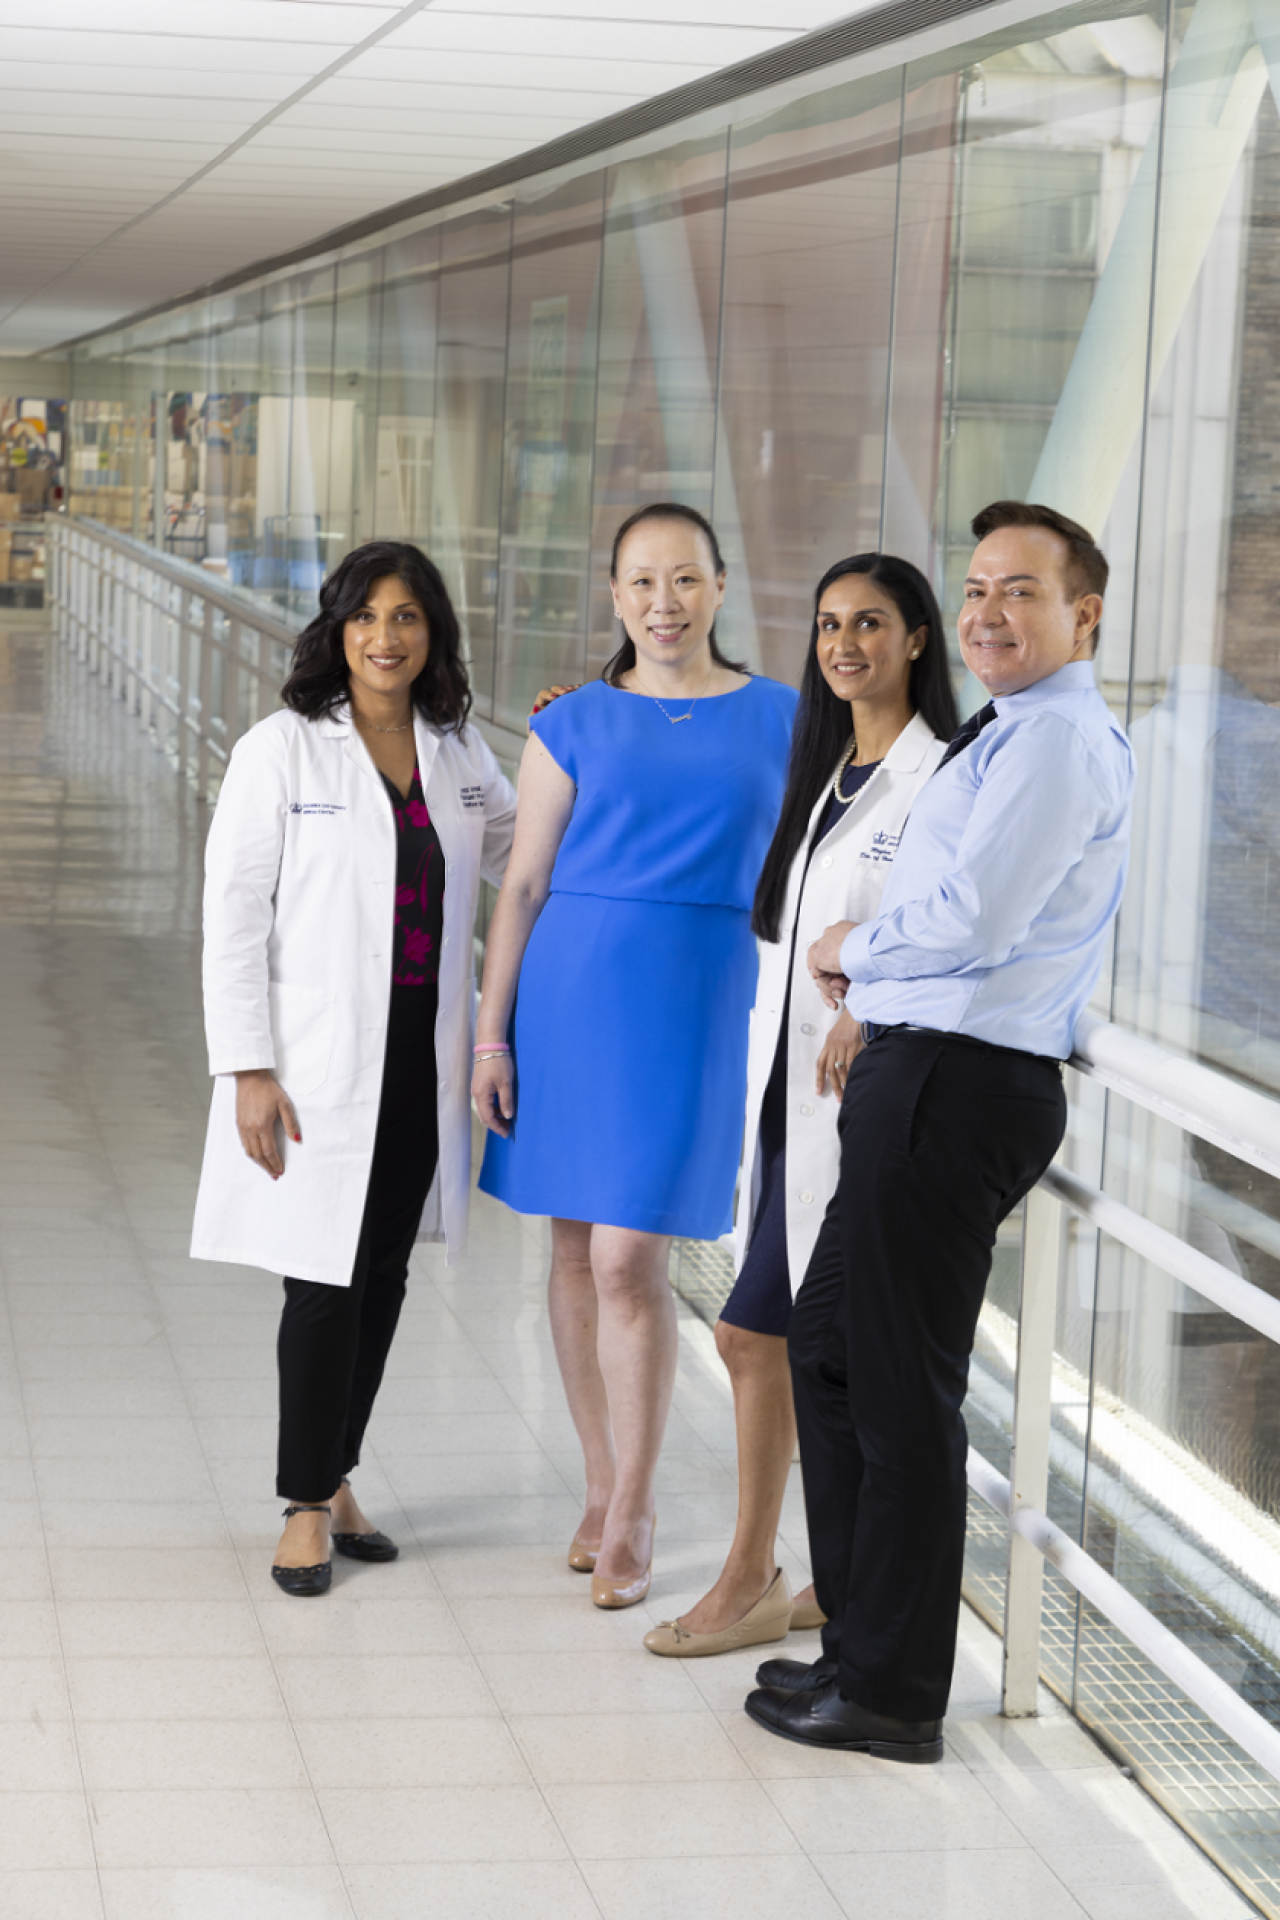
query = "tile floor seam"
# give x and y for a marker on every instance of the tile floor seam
(505, 1718)
(86, 1796)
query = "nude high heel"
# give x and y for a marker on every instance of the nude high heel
(582, 1558)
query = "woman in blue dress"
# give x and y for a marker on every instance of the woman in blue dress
(647, 802)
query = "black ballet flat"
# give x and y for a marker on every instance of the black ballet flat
(364, 1546)
(303, 1582)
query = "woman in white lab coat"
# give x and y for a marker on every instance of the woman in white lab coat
(876, 711)
(343, 864)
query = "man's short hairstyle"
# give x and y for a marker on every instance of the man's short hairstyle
(1086, 569)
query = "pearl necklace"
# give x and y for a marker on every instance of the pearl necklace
(845, 799)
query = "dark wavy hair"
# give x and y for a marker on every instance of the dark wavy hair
(821, 731)
(319, 679)
(625, 658)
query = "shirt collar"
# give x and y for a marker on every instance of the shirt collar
(1075, 677)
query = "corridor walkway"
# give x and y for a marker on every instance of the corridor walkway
(459, 1736)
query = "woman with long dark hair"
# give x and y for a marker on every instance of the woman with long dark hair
(341, 875)
(647, 800)
(876, 711)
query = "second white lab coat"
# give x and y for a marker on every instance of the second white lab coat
(300, 879)
(845, 880)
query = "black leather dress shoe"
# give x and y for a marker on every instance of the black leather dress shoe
(364, 1546)
(820, 1718)
(795, 1676)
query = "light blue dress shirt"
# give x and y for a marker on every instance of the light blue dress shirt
(996, 913)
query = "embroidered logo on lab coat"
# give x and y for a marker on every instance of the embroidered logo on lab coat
(325, 808)
(882, 849)
(472, 798)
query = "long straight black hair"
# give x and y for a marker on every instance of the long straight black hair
(320, 680)
(625, 658)
(822, 725)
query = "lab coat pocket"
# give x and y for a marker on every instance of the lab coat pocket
(302, 1035)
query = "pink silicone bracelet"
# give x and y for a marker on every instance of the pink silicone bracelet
(495, 1046)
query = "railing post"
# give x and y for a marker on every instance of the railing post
(1029, 1463)
(205, 684)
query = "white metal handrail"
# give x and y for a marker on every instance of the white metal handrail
(1246, 1124)
(195, 661)
(1195, 1097)
(1165, 1250)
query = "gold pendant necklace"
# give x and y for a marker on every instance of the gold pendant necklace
(375, 728)
(675, 718)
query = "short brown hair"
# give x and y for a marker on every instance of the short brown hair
(1086, 569)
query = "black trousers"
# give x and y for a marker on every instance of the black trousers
(939, 1140)
(334, 1341)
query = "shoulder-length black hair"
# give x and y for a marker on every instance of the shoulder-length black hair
(822, 728)
(319, 679)
(625, 658)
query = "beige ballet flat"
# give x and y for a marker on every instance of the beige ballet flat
(807, 1616)
(582, 1558)
(623, 1593)
(769, 1619)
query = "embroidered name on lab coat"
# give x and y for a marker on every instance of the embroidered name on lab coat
(325, 808)
(883, 847)
(472, 797)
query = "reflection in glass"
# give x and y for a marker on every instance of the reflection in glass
(550, 426)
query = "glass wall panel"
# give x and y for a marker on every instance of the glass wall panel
(354, 430)
(659, 351)
(471, 370)
(550, 434)
(406, 409)
(808, 294)
(1184, 1459)
(231, 468)
(1047, 137)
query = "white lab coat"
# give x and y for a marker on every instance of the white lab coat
(299, 906)
(845, 880)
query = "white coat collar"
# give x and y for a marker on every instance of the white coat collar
(338, 726)
(906, 755)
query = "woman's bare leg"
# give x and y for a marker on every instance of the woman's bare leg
(636, 1343)
(765, 1421)
(571, 1297)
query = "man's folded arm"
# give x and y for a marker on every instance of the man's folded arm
(1044, 796)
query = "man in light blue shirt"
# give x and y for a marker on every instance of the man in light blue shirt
(969, 984)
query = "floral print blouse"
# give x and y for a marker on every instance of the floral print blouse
(419, 923)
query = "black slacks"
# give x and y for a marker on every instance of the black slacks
(939, 1140)
(334, 1341)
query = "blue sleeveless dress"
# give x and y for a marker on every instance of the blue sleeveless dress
(630, 1029)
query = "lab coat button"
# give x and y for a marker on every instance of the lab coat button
(826, 859)
(807, 1197)
(448, 937)
(806, 1110)
(807, 1027)
(444, 1086)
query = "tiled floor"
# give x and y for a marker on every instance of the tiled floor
(458, 1735)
